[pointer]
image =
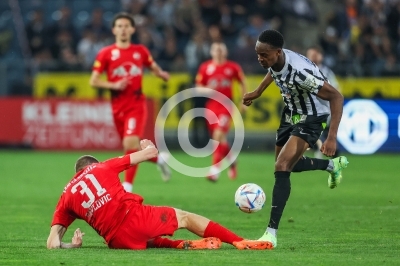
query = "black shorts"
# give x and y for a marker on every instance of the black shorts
(306, 127)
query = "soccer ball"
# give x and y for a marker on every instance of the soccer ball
(250, 198)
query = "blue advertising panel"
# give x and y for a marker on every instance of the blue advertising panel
(370, 126)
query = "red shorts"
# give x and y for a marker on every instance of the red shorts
(132, 122)
(143, 223)
(223, 115)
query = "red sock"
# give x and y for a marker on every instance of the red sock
(131, 171)
(153, 160)
(217, 156)
(215, 230)
(160, 242)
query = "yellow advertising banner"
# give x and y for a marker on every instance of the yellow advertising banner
(263, 115)
(387, 88)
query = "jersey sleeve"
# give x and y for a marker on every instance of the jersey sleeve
(61, 214)
(309, 81)
(201, 78)
(100, 63)
(146, 56)
(239, 75)
(119, 164)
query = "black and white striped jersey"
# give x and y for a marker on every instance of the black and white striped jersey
(330, 76)
(299, 82)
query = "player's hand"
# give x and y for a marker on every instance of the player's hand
(77, 238)
(145, 144)
(120, 84)
(328, 148)
(249, 97)
(149, 149)
(164, 75)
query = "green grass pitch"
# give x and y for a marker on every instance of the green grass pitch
(354, 224)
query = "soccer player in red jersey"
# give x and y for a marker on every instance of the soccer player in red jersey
(219, 74)
(96, 196)
(123, 63)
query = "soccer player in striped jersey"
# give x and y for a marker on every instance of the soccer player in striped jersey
(309, 100)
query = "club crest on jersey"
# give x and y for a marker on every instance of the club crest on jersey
(136, 56)
(115, 54)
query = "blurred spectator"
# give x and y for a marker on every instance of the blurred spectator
(63, 23)
(393, 22)
(62, 39)
(227, 26)
(303, 9)
(245, 55)
(270, 11)
(97, 25)
(69, 61)
(197, 51)
(256, 25)
(215, 34)
(36, 33)
(391, 67)
(359, 37)
(138, 9)
(151, 39)
(210, 13)
(161, 11)
(88, 47)
(169, 58)
(186, 15)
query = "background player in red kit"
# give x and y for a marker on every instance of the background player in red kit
(96, 195)
(219, 74)
(123, 63)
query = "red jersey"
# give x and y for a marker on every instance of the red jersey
(96, 195)
(121, 63)
(219, 77)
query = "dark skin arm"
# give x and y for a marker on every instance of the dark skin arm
(335, 98)
(250, 96)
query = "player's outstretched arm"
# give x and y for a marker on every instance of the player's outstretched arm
(148, 152)
(156, 69)
(97, 82)
(250, 96)
(335, 98)
(56, 234)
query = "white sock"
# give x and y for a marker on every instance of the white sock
(214, 171)
(127, 186)
(272, 231)
(330, 166)
(162, 158)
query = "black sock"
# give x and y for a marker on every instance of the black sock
(280, 195)
(308, 164)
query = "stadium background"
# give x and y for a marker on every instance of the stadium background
(47, 48)
(46, 104)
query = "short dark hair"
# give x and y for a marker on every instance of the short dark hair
(123, 15)
(271, 37)
(84, 161)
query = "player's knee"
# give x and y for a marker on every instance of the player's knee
(182, 217)
(219, 136)
(282, 165)
(131, 143)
